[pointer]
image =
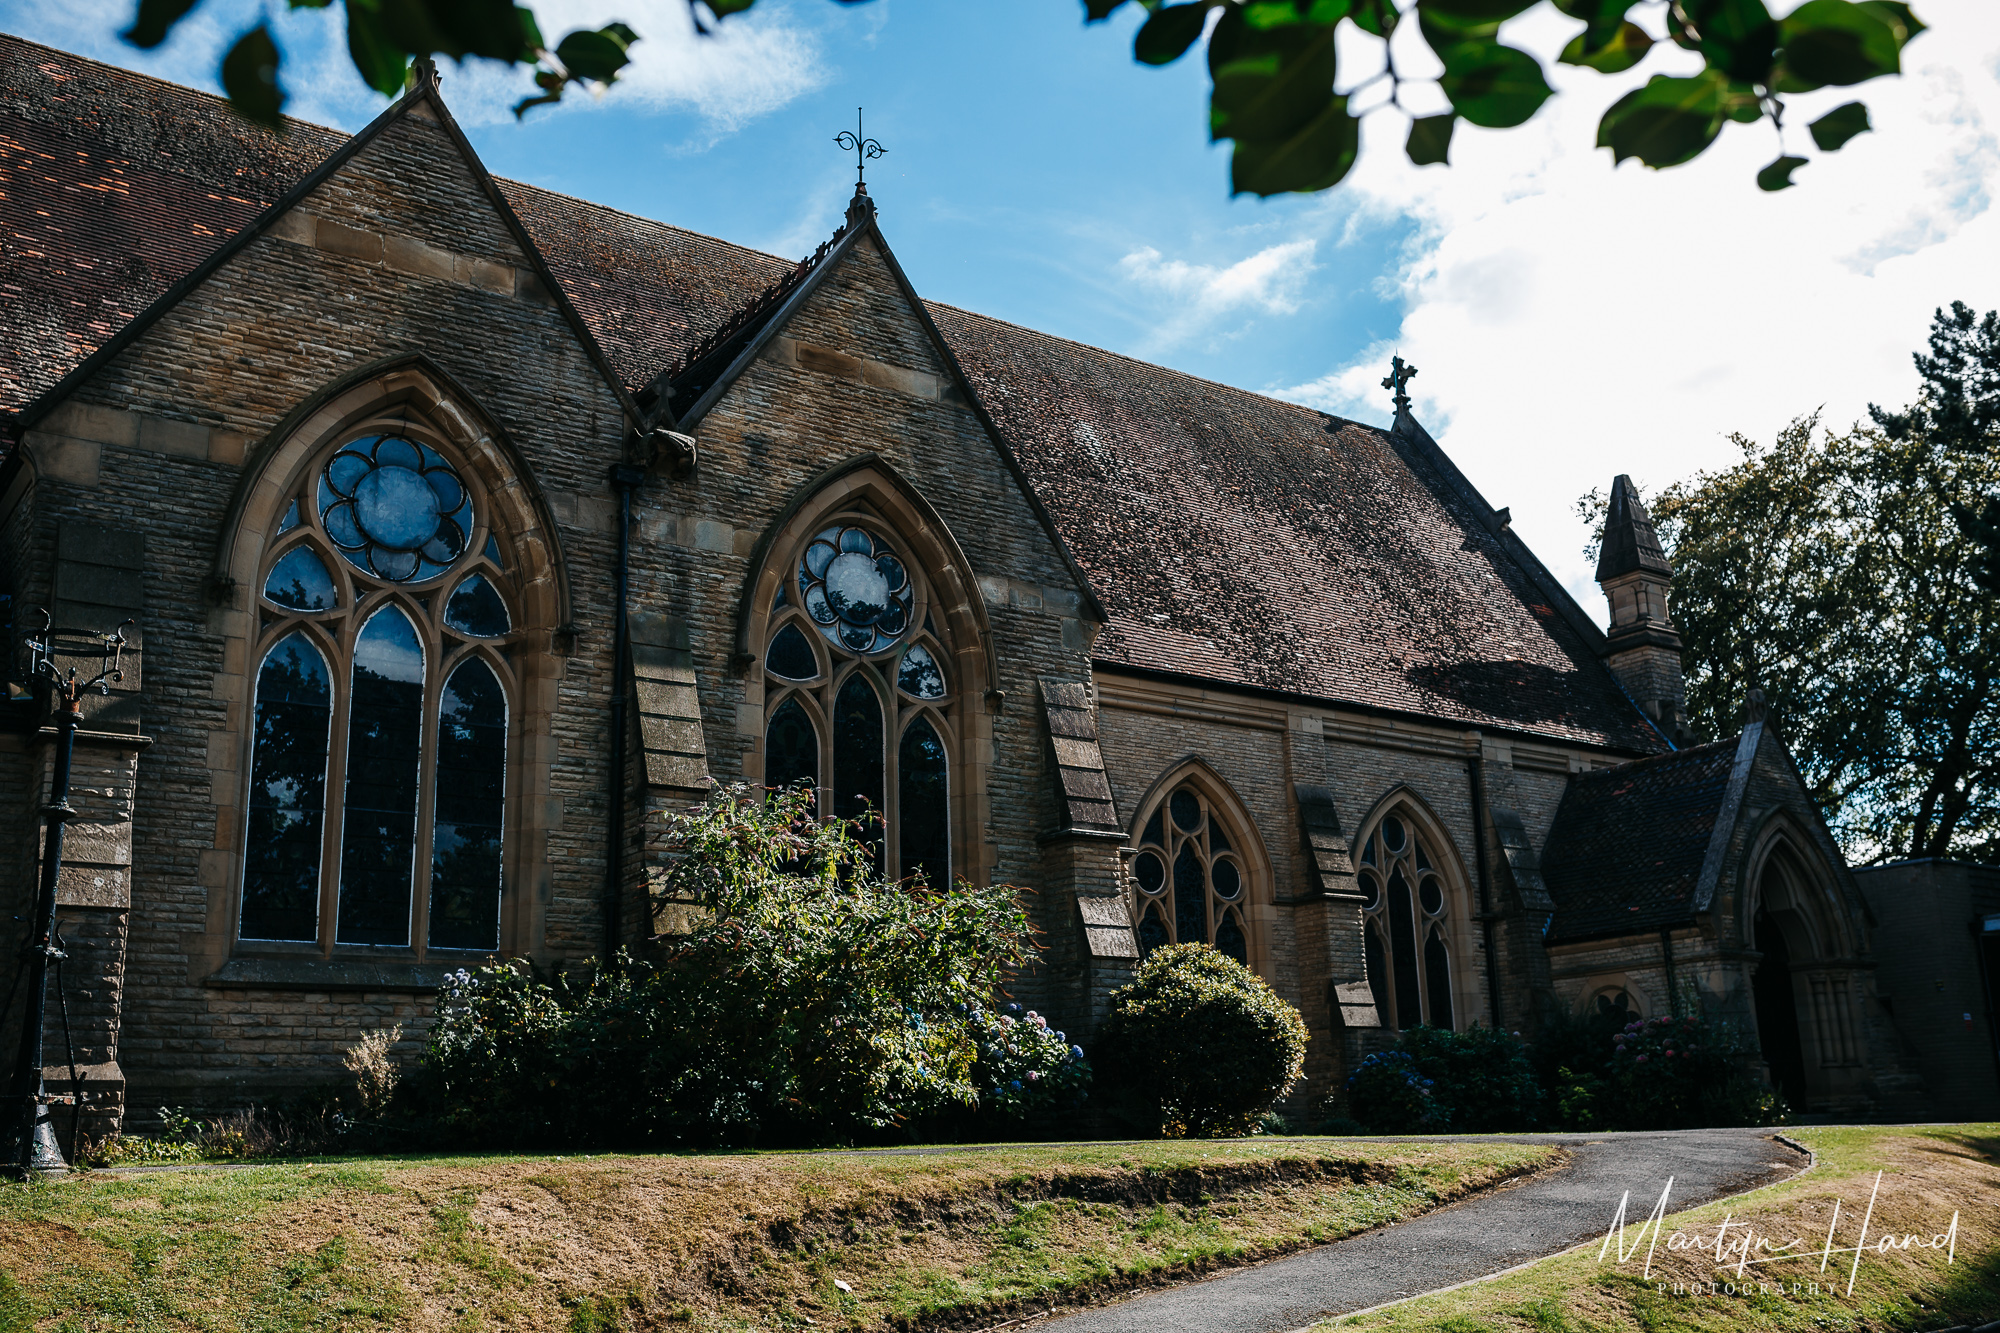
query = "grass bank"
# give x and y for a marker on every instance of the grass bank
(1926, 1175)
(954, 1239)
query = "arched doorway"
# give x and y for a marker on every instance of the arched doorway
(1777, 1012)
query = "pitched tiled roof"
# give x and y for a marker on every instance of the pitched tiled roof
(1242, 539)
(1625, 853)
(1232, 537)
(113, 186)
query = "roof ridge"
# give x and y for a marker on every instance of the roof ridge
(1154, 365)
(763, 304)
(1705, 750)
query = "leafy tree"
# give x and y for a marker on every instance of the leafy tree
(1273, 67)
(1960, 407)
(1830, 571)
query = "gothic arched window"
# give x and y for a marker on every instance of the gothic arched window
(1190, 877)
(1406, 914)
(380, 722)
(859, 702)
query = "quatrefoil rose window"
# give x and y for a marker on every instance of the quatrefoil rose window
(855, 589)
(394, 508)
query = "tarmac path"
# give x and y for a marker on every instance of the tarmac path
(1480, 1236)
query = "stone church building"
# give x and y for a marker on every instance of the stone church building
(463, 527)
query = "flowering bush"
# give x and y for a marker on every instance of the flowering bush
(1025, 1068)
(1198, 1046)
(1388, 1094)
(1683, 1073)
(1481, 1078)
(811, 1001)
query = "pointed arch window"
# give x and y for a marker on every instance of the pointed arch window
(1190, 877)
(1406, 920)
(380, 751)
(859, 698)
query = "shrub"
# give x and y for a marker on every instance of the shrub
(1481, 1076)
(1388, 1094)
(1198, 1045)
(1683, 1073)
(812, 1001)
(1025, 1070)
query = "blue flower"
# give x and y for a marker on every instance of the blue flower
(1015, 1084)
(1076, 1052)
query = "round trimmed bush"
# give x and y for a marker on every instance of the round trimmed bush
(1199, 1046)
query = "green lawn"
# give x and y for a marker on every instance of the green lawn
(1927, 1175)
(716, 1242)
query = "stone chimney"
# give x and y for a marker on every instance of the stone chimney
(1643, 649)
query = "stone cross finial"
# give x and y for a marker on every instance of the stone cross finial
(1400, 375)
(862, 148)
(1754, 707)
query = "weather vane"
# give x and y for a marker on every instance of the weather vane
(862, 148)
(1399, 379)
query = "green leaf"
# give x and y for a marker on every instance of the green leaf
(1836, 42)
(1839, 125)
(1472, 11)
(1742, 104)
(1627, 46)
(1094, 11)
(1493, 86)
(1267, 84)
(722, 9)
(1314, 158)
(155, 20)
(307, 4)
(1172, 29)
(1778, 176)
(1737, 37)
(1430, 140)
(531, 31)
(1597, 13)
(1898, 16)
(384, 66)
(1665, 123)
(1262, 14)
(250, 78)
(597, 56)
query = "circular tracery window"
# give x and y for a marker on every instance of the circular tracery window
(394, 508)
(855, 589)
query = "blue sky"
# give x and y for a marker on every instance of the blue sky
(1571, 321)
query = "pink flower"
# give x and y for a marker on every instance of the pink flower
(1642, 1059)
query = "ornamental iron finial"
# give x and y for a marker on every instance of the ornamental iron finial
(863, 149)
(1400, 375)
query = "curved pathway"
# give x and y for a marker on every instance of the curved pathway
(1475, 1238)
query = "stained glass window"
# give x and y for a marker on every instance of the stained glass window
(923, 805)
(857, 759)
(347, 854)
(287, 794)
(476, 608)
(855, 589)
(394, 508)
(920, 674)
(1189, 879)
(882, 749)
(1409, 958)
(385, 721)
(791, 656)
(471, 806)
(301, 581)
(791, 748)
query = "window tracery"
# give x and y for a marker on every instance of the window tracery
(863, 710)
(1406, 926)
(380, 722)
(1190, 878)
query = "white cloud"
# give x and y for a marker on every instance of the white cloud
(1573, 321)
(1205, 295)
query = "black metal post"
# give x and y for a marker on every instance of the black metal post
(36, 1152)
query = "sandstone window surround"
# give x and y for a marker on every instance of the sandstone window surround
(404, 607)
(1413, 912)
(1199, 874)
(871, 670)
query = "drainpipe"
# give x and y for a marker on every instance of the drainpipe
(624, 479)
(1477, 773)
(1673, 986)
